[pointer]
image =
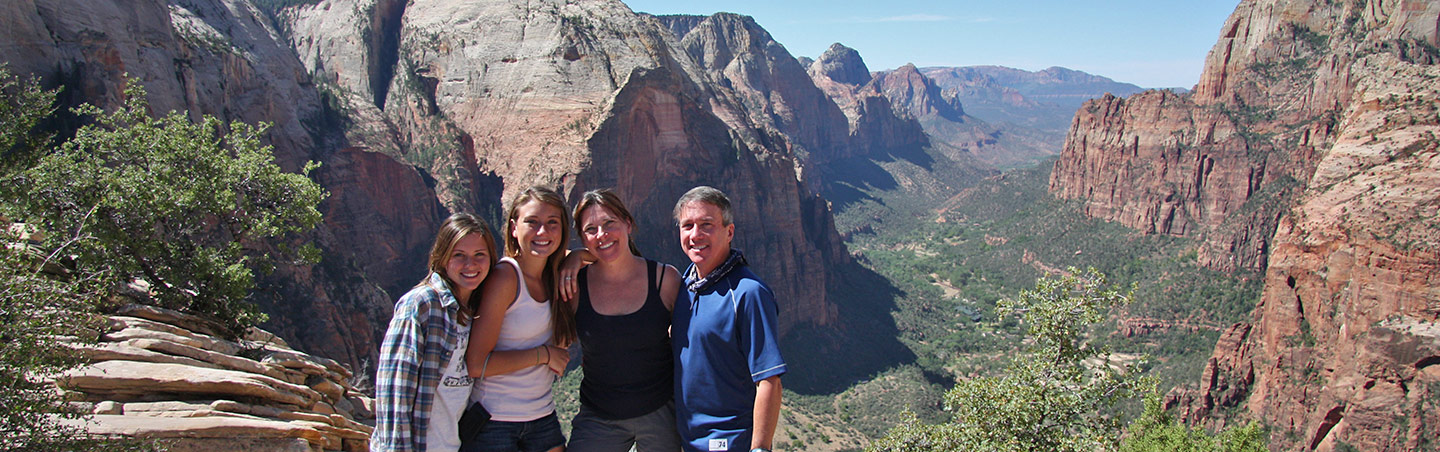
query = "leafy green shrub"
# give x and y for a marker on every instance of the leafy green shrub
(32, 315)
(186, 206)
(1158, 431)
(23, 106)
(1049, 398)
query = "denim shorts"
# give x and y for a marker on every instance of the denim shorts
(651, 432)
(538, 435)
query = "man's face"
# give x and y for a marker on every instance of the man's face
(703, 236)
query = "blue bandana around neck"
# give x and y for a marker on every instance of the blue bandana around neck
(735, 259)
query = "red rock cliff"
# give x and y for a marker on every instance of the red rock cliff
(416, 109)
(592, 95)
(1308, 149)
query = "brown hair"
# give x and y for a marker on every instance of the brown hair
(610, 201)
(562, 321)
(451, 231)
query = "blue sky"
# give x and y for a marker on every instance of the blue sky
(1151, 43)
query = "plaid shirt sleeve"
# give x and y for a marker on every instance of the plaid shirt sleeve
(398, 392)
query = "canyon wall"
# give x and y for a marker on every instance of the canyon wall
(592, 95)
(418, 109)
(1308, 150)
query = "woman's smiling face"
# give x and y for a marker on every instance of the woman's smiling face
(537, 228)
(468, 264)
(604, 233)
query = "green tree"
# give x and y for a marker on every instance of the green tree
(40, 302)
(23, 106)
(1158, 430)
(192, 208)
(1058, 395)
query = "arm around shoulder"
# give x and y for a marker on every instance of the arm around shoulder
(670, 286)
(496, 296)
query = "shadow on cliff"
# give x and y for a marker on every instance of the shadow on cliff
(830, 359)
(851, 180)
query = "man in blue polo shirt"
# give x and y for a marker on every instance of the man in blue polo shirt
(725, 336)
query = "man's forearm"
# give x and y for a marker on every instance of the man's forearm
(767, 412)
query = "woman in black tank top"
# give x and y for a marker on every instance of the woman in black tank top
(622, 315)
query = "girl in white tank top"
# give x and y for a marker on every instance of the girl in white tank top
(522, 395)
(518, 340)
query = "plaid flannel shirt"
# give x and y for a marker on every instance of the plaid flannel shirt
(422, 335)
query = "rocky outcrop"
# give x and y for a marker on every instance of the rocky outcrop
(1308, 149)
(1222, 163)
(776, 92)
(959, 136)
(842, 65)
(160, 375)
(1348, 329)
(917, 96)
(889, 148)
(874, 123)
(1160, 163)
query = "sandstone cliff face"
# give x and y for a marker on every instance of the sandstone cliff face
(960, 136)
(874, 123)
(1308, 149)
(590, 95)
(1224, 162)
(775, 90)
(1159, 163)
(916, 95)
(1347, 339)
(417, 109)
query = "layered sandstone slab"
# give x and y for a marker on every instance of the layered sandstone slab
(158, 378)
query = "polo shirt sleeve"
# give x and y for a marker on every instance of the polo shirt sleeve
(758, 325)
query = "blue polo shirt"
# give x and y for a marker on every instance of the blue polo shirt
(725, 337)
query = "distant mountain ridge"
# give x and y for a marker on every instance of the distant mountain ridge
(1045, 99)
(1003, 117)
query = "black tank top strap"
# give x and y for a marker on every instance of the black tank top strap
(583, 304)
(650, 275)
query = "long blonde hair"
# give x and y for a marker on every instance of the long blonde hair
(562, 321)
(451, 231)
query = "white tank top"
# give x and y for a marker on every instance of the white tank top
(451, 397)
(523, 395)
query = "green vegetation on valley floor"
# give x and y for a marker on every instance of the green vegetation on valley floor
(948, 262)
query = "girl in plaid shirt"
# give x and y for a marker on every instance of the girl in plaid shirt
(422, 385)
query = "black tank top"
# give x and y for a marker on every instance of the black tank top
(629, 370)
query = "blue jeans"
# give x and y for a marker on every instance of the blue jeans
(538, 435)
(652, 432)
